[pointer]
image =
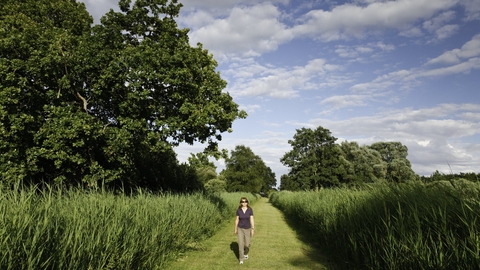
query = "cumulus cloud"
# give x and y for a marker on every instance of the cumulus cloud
(338, 102)
(198, 19)
(439, 21)
(462, 60)
(472, 9)
(439, 26)
(222, 7)
(256, 80)
(250, 29)
(250, 108)
(468, 50)
(464, 67)
(412, 32)
(365, 49)
(247, 30)
(332, 25)
(446, 31)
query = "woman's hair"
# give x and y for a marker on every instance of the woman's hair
(243, 199)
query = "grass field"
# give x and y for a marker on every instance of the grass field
(411, 226)
(74, 229)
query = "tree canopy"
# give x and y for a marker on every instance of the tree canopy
(395, 155)
(245, 171)
(365, 165)
(91, 104)
(316, 161)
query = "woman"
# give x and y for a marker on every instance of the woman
(244, 228)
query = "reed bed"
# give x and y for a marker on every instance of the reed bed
(410, 226)
(73, 229)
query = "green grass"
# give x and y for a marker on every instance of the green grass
(409, 226)
(74, 229)
(274, 246)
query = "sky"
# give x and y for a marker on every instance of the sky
(367, 70)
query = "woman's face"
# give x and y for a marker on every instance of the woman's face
(244, 202)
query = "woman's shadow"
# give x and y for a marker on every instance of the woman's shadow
(234, 248)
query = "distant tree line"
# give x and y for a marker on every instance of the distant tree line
(317, 161)
(438, 176)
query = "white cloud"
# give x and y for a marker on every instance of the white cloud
(198, 19)
(382, 82)
(221, 7)
(437, 22)
(413, 32)
(469, 50)
(438, 25)
(256, 80)
(356, 51)
(446, 31)
(247, 30)
(472, 9)
(465, 67)
(338, 102)
(405, 79)
(250, 108)
(332, 25)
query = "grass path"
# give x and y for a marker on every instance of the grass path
(274, 246)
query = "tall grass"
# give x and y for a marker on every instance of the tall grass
(57, 229)
(409, 226)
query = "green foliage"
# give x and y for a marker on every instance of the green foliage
(438, 176)
(200, 160)
(216, 185)
(245, 171)
(365, 165)
(395, 154)
(205, 169)
(314, 160)
(405, 226)
(56, 229)
(104, 104)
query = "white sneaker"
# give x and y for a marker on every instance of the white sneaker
(241, 262)
(246, 257)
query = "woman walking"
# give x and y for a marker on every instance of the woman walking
(244, 228)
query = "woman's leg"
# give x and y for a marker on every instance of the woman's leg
(241, 243)
(248, 237)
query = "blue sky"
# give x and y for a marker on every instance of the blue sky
(367, 70)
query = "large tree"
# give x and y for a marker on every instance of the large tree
(314, 160)
(104, 104)
(245, 171)
(365, 164)
(395, 155)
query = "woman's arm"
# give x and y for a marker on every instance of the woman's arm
(252, 222)
(236, 225)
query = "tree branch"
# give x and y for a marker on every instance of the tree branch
(85, 102)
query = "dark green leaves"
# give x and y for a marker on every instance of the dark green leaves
(247, 172)
(106, 103)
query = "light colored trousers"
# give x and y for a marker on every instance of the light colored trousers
(244, 237)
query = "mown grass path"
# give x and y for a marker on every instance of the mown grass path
(274, 246)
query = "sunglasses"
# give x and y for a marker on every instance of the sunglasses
(244, 201)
